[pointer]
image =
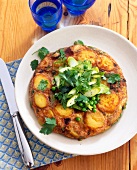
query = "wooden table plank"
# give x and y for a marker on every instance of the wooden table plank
(18, 31)
(132, 29)
(132, 23)
(115, 160)
(110, 14)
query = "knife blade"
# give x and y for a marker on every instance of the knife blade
(19, 131)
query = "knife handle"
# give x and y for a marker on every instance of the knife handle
(22, 141)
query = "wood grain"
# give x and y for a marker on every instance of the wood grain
(114, 160)
(132, 21)
(132, 36)
(18, 32)
(112, 14)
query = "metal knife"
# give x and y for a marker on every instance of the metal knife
(10, 96)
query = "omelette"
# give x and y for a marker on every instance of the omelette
(77, 91)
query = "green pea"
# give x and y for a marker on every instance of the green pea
(53, 88)
(84, 109)
(78, 119)
(93, 98)
(85, 66)
(95, 102)
(91, 102)
(94, 106)
(94, 110)
(81, 104)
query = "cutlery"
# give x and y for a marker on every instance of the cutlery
(19, 131)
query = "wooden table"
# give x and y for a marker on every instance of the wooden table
(18, 32)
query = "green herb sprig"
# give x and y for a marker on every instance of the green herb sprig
(79, 86)
(42, 85)
(113, 78)
(42, 52)
(34, 64)
(78, 42)
(48, 126)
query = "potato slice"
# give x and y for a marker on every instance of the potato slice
(40, 77)
(105, 63)
(40, 100)
(63, 112)
(73, 133)
(87, 55)
(48, 113)
(108, 102)
(94, 120)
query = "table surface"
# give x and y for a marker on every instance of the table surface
(18, 32)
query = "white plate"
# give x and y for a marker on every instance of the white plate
(125, 54)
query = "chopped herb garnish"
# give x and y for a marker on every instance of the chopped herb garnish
(48, 126)
(82, 98)
(34, 64)
(78, 42)
(113, 78)
(76, 85)
(42, 52)
(42, 85)
(62, 54)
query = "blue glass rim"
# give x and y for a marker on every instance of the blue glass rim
(60, 8)
(78, 5)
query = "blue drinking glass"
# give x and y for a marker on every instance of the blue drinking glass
(46, 13)
(78, 7)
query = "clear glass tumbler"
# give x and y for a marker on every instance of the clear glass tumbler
(78, 7)
(46, 13)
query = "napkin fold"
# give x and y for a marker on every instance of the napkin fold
(10, 158)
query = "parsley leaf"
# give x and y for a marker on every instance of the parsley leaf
(42, 52)
(82, 98)
(62, 97)
(42, 85)
(48, 126)
(58, 95)
(78, 42)
(112, 78)
(34, 64)
(62, 54)
(64, 100)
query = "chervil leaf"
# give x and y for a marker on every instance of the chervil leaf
(112, 78)
(34, 64)
(42, 52)
(48, 126)
(78, 42)
(42, 85)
